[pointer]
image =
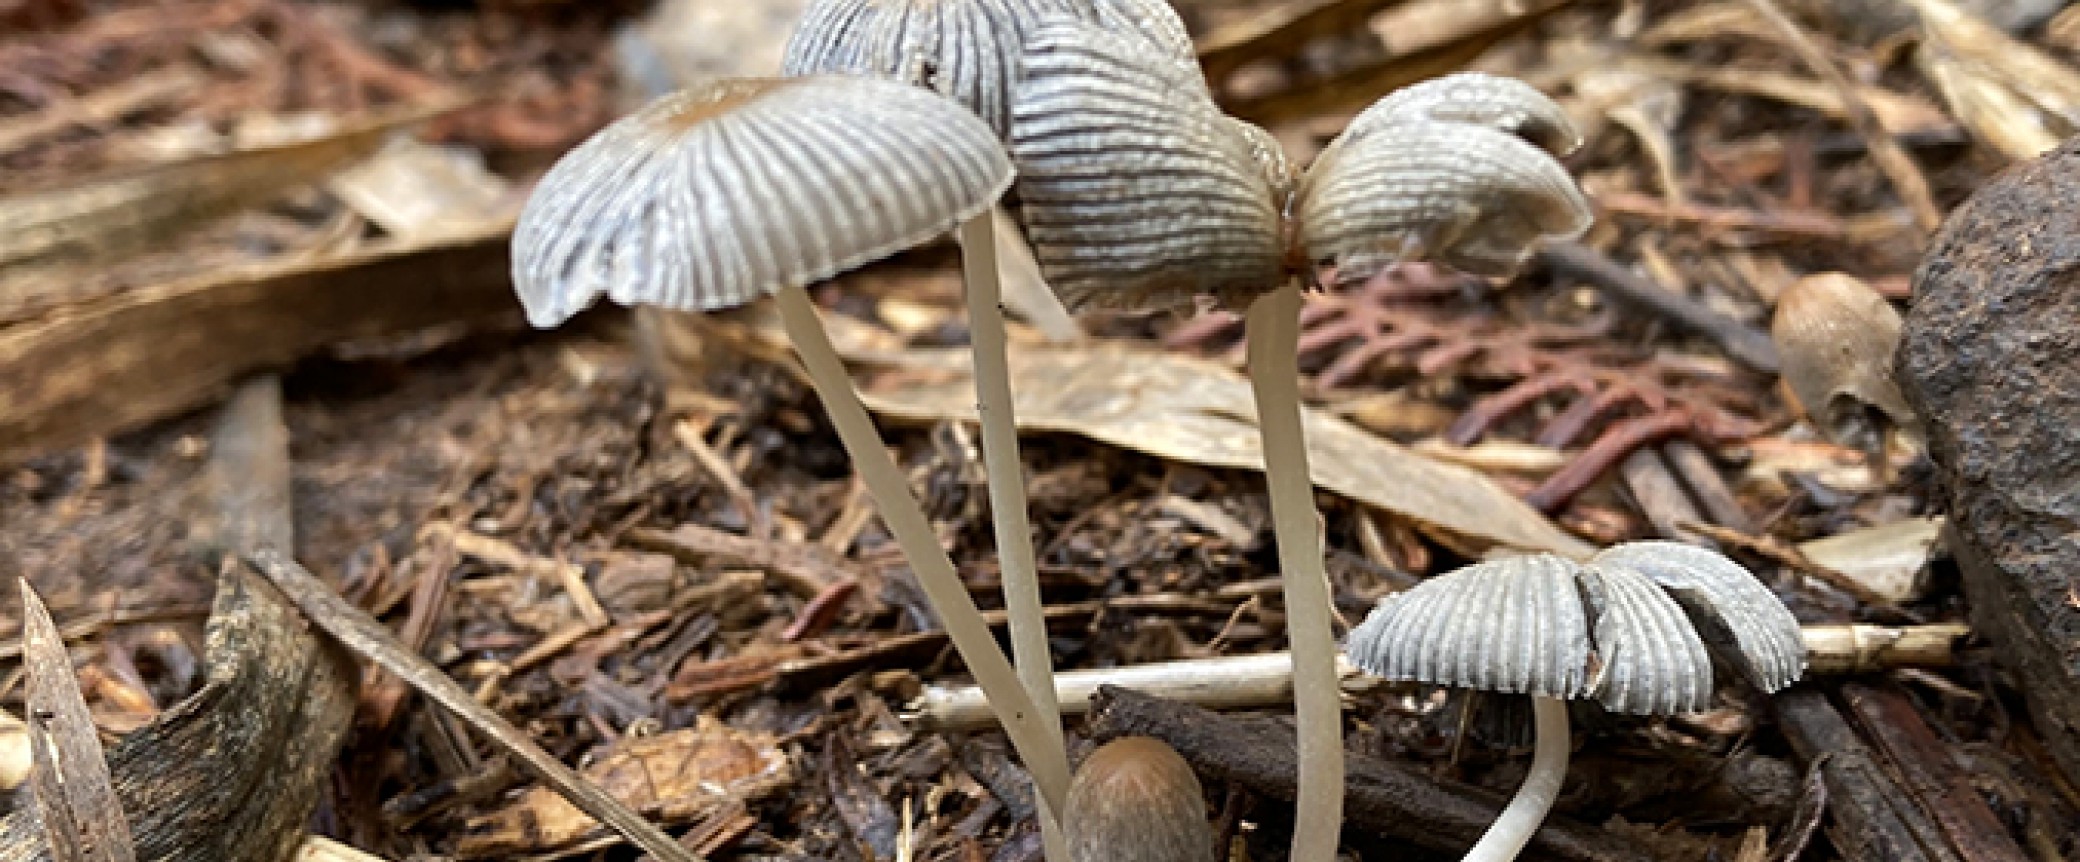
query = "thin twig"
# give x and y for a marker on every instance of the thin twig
(367, 637)
(1749, 346)
(1887, 153)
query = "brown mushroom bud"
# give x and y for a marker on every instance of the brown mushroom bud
(1465, 195)
(1136, 191)
(1136, 800)
(1836, 337)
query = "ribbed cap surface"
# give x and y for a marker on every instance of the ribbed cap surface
(1649, 659)
(1513, 625)
(1461, 194)
(966, 50)
(712, 197)
(1503, 104)
(1136, 191)
(1728, 605)
(1525, 625)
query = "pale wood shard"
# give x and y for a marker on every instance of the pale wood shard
(117, 363)
(82, 819)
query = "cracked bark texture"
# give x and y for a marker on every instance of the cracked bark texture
(232, 773)
(1990, 359)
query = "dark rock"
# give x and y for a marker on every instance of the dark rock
(1990, 358)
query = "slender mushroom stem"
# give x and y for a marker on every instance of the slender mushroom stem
(1519, 821)
(1273, 328)
(935, 573)
(1007, 497)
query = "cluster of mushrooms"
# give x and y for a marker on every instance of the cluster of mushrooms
(898, 121)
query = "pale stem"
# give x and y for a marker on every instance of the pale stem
(1007, 497)
(913, 532)
(1519, 821)
(1273, 328)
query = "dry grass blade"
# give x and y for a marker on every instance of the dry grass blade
(82, 820)
(2016, 98)
(368, 638)
(1887, 153)
(1350, 89)
(1280, 30)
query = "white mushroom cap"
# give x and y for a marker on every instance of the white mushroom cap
(1499, 103)
(709, 198)
(966, 50)
(1730, 608)
(1461, 194)
(1136, 191)
(1623, 629)
(1514, 625)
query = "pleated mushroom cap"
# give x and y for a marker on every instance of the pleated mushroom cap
(1154, 20)
(714, 196)
(1729, 607)
(1649, 658)
(1628, 629)
(966, 50)
(1465, 195)
(1513, 625)
(1503, 104)
(1135, 190)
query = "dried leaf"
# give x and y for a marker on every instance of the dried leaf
(1193, 410)
(2018, 99)
(1886, 558)
(139, 208)
(416, 191)
(675, 776)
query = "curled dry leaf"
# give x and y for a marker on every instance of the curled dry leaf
(1201, 412)
(1836, 337)
(2013, 96)
(678, 776)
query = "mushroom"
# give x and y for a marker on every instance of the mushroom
(715, 196)
(966, 50)
(1138, 193)
(1629, 628)
(1836, 337)
(1135, 799)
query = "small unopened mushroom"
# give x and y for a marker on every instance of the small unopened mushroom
(715, 196)
(1836, 337)
(1629, 628)
(1135, 800)
(1139, 193)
